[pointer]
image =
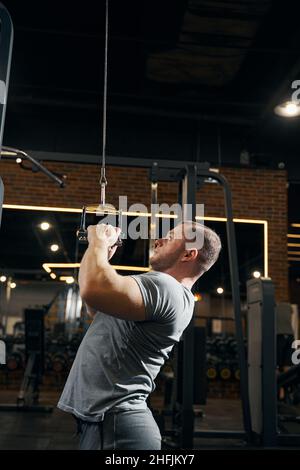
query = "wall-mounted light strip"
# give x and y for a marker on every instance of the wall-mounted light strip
(78, 211)
(146, 214)
(297, 245)
(41, 208)
(49, 266)
(295, 225)
(292, 235)
(224, 219)
(249, 221)
(46, 268)
(293, 252)
(134, 214)
(294, 259)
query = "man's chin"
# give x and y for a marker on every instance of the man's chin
(154, 263)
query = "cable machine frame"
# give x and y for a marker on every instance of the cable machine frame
(189, 177)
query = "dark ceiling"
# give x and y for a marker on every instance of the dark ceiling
(183, 76)
(187, 80)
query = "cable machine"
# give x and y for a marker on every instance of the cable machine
(190, 178)
(102, 209)
(263, 383)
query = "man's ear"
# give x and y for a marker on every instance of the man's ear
(190, 255)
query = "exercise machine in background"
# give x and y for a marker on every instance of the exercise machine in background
(28, 396)
(35, 357)
(270, 427)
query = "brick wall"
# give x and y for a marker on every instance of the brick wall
(259, 194)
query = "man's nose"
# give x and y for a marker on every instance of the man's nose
(159, 242)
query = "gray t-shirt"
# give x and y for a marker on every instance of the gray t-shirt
(118, 360)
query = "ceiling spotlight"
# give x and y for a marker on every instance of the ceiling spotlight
(54, 247)
(19, 160)
(13, 285)
(44, 226)
(2, 278)
(256, 274)
(288, 109)
(53, 276)
(70, 280)
(220, 290)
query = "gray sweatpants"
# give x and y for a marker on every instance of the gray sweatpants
(133, 430)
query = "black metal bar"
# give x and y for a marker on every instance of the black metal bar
(37, 164)
(125, 160)
(269, 363)
(187, 429)
(234, 277)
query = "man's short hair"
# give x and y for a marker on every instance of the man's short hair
(209, 251)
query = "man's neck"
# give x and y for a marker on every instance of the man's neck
(183, 279)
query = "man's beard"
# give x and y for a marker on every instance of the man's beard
(160, 262)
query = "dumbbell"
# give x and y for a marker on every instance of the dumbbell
(211, 372)
(224, 371)
(211, 369)
(236, 371)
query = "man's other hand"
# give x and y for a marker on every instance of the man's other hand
(104, 235)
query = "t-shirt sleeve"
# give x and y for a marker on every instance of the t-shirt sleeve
(162, 295)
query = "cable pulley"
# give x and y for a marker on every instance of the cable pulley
(102, 209)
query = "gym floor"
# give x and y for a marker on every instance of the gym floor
(57, 430)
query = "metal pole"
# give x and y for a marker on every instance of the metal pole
(187, 430)
(235, 287)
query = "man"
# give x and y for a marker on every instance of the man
(136, 322)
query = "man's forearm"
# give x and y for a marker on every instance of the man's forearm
(95, 269)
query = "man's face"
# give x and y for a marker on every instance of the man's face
(168, 250)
